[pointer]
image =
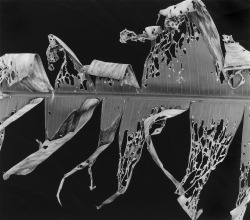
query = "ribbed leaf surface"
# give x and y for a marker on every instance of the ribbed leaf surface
(57, 109)
(213, 126)
(184, 69)
(20, 73)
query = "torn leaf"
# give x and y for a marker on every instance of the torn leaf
(185, 64)
(116, 71)
(196, 11)
(237, 57)
(186, 56)
(26, 69)
(14, 108)
(72, 124)
(66, 80)
(56, 45)
(244, 188)
(179, 9)
(20, 72)
(213, 126)
(109, 124)
(135, 140)
(150, 33)
(237, 62)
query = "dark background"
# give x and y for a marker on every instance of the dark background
(91, 29)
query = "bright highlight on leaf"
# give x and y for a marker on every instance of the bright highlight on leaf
(184, 70)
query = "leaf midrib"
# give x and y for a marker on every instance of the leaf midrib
(191, 98)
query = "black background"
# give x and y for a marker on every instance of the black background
(91, 29)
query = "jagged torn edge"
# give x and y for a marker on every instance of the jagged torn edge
(106, 71)
(212, 145)
(237, 62)
(132, 151)
(7, 120)
(150, 33)
(26, 69)
(14, 115)
(106, 137)
(244, 189)
(203, 171)
(72, 124)
(50, 146)
(134, 147)
(57, 45)
(122, 73)
(196, 12)
(244, 197)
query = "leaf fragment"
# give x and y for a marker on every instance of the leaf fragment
(244, 189)
(26, 69)
(72, 124)
(213, 126)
